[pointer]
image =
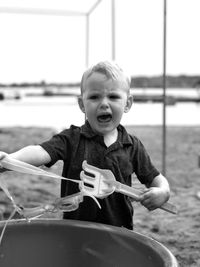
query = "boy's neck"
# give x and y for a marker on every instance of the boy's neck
(111, 138)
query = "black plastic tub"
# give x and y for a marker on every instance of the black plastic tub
(66, 243)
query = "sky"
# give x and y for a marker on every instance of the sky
(52, 48)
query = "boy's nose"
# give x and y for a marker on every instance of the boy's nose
(104, 103)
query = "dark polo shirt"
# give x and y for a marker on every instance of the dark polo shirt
(124, 157)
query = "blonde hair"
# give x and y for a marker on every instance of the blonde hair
(110, 69)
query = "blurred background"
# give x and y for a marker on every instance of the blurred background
(46, 45)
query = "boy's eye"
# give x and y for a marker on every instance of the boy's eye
(114, 97)
(93, 97)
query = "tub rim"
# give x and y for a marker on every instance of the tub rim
(160, 249)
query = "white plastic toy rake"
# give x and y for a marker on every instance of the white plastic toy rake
(64, 204)
(101, 183)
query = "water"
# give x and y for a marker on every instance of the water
(62, 111)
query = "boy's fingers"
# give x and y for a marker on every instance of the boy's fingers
(145, 201)
(148, 204)
(138, 199)
(3, 155)
(145, 190)
(145, 197)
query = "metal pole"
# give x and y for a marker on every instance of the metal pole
(113, 29)
(87, 41)
(88, 31)
(164, 87)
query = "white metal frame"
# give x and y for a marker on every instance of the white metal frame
(60, 12)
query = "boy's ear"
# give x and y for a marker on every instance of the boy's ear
(129, 103)
(80, 103)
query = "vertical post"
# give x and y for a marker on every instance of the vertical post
(113, 29)
(87, 40)
(164, 88)
(88, 31)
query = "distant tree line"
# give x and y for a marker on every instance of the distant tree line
(43, 84)
(182, 81)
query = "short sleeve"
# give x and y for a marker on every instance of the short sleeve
(144, 168)
(58, 147)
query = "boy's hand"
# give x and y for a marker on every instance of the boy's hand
(154, 197)
(2, 156)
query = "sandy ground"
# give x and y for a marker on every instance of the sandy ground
(180, 233)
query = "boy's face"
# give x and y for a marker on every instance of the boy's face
(104, 101)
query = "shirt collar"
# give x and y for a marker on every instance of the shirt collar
(87, 131)
(123, 137)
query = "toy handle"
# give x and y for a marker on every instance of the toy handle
(135, 194)
(169, 207)
(23, 167)
(128, 191)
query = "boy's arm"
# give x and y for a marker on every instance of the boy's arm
(34, 155)
(157, 193)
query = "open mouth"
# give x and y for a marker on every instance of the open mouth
(104, 118)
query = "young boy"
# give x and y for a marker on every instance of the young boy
(103, 143)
